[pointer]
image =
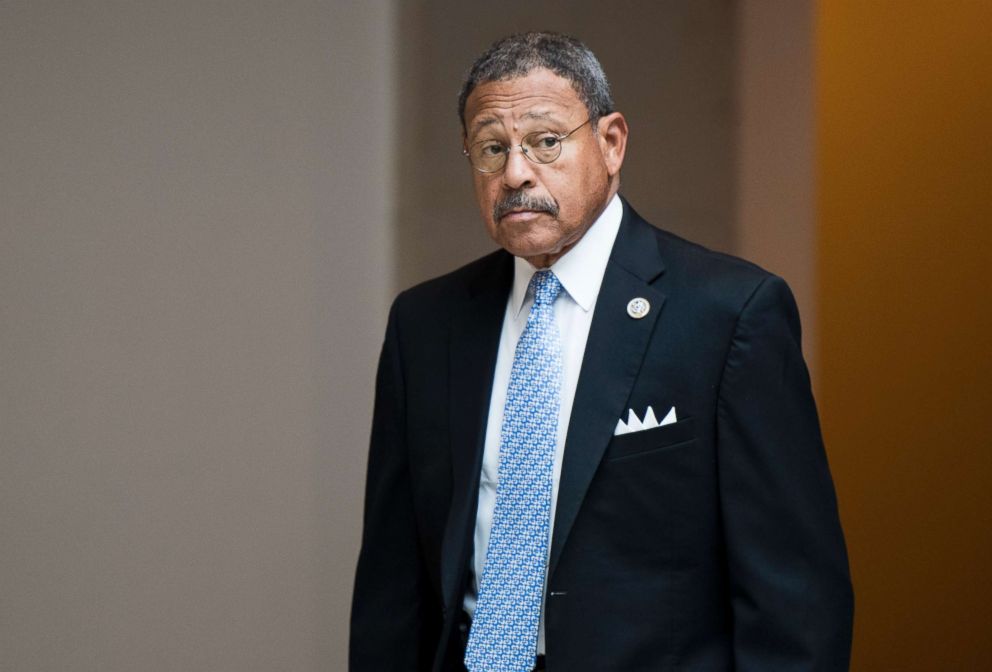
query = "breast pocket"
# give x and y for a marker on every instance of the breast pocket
(651, 440)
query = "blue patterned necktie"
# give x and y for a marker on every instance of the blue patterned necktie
(504, 629)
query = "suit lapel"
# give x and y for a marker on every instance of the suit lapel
(475, 334)
(614, 352)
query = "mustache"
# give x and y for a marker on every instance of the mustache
(520, 200)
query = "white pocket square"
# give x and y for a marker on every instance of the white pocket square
(634, 424)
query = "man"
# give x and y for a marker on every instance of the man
(595, 449)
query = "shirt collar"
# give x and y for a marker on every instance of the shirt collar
(581, 269)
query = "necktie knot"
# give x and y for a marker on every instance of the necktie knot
(546, 287)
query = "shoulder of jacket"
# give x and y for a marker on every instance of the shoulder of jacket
(709, 274)
(450, 288)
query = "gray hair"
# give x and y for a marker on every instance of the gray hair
(567, 57)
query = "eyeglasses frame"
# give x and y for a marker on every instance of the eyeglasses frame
(506, 152)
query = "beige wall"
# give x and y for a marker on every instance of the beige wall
(904, 175)
(195, 202)
(775, 148)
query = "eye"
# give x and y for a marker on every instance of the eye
(544, 141)
(489, 148)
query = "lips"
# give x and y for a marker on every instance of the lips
(523, 214)
(523, 218)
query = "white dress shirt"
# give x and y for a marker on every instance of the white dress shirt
(580, 271)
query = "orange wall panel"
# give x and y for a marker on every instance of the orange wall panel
(904, 270)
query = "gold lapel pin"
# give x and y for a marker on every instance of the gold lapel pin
(638, 308)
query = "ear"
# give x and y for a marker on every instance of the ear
(612, 141)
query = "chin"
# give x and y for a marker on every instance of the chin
(529, 251)
(523, 245)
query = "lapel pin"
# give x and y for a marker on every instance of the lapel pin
(638, 308)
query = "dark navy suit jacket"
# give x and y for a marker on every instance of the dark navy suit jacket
(709, 544)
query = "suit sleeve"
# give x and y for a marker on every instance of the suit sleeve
(391, 619)
(790, 588)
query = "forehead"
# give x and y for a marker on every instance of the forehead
(513, 103)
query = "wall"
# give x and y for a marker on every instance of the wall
(774, 209)
(904, 175)
(195, 202)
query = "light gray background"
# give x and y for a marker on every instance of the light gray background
(205, 209)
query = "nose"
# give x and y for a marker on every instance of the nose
(518, 172)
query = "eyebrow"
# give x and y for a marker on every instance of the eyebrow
(479, 125)
(537, 115)
(490, 121)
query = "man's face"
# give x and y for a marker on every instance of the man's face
(539, 211)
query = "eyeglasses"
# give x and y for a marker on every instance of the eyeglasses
(489, 156)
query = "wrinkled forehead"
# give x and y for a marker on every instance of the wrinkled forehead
(525, 122)
(520, 102)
